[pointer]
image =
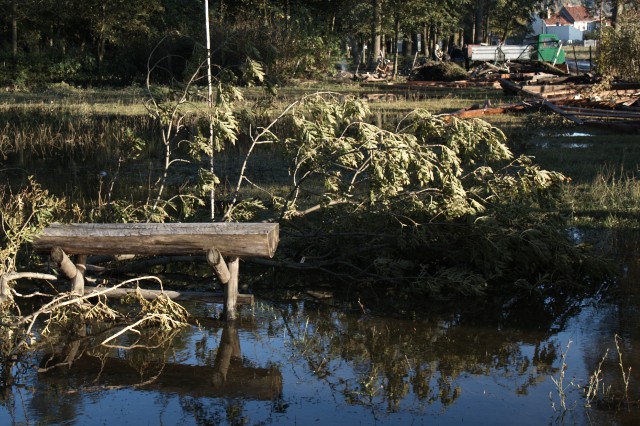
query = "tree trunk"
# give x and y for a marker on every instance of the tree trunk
(407, 45)
(434, 40)
(479, 14)
(14, 28)
(396, 34)
(487, 22)
(376, 30)
(355, 50)
(425, 39)
(617, 9)
(468, 29)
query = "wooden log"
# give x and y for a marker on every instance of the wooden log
(77, 284)
(241, 299)
(216, 261)
(231, 239)
(509, 86)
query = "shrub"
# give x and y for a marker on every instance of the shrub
(619, 49)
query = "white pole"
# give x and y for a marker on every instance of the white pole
(210, 104)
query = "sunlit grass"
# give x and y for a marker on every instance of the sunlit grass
(603, 167)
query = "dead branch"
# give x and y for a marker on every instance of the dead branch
(5, 279)
(59, 301)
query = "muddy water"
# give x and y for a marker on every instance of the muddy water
(302, 363)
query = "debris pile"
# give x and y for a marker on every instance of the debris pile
(438, 71)
(585, 100)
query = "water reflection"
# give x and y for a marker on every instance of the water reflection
(151, 370)
(305, 363)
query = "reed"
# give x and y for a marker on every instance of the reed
(604, 395)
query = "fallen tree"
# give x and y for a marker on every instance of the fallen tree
(436, 209)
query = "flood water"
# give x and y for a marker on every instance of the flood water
(305, 363)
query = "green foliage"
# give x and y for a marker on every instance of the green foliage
(436, 208)
(24, 214)
(619, 49)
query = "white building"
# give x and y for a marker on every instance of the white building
(569, 24)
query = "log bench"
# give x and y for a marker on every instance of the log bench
(214, 240)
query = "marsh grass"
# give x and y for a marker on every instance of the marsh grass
(604, 169)
(610, 395)
(597, 391)
(76, 134)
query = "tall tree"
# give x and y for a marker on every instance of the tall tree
(376, 29)
(117, 21)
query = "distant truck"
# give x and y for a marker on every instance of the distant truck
(544, 48)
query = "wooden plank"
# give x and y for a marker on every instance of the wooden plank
(601, 112)
(548, 88)
(566, 115)
(231, 239)
(480, 112)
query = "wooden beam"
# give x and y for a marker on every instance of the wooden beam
(231, 239)
(479, 112)
(599, 112)
(566, 115)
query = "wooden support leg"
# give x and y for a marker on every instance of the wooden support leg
(231, 290)
(216, 261)
(74, 272)
(77, 285)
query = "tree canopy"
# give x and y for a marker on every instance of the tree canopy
(109, 41)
